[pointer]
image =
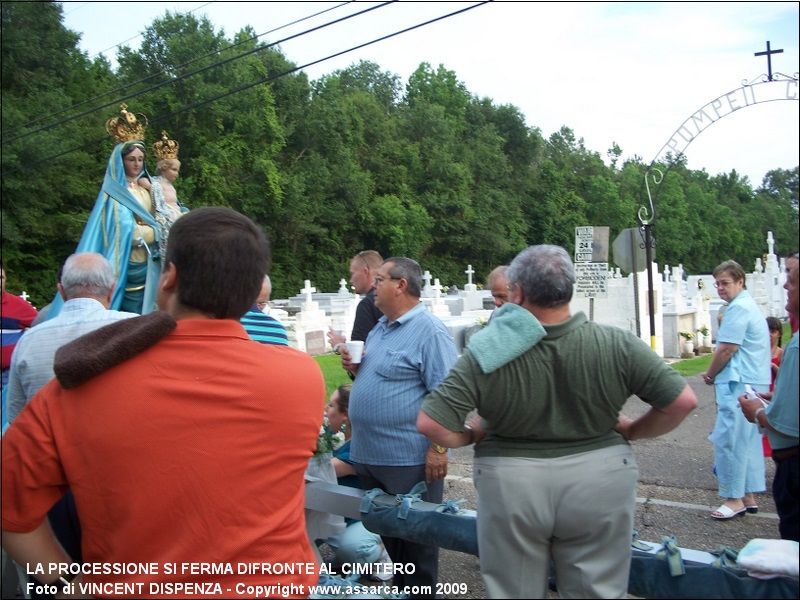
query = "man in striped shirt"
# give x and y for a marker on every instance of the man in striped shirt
(259, 325)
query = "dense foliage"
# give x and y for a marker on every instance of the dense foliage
(330, 167)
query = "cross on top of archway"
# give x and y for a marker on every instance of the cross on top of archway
(768, 53)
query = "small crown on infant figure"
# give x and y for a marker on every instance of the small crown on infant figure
(166, 148)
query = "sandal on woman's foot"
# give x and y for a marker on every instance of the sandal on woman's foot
(723, 513)
(752, 509)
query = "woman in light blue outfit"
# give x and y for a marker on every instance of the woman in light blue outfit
(742, 357)
(122, 228)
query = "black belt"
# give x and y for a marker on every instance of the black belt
(784, 453)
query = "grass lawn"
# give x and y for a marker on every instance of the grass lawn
(335, 375)
(692, 366)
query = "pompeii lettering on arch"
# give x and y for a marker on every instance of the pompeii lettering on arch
(722, 106)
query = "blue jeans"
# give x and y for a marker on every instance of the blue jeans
(399, 480)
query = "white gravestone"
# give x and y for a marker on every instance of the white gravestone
(427, 290)
(311, 324)
(435, 303)
(473, 299)
(470, 287)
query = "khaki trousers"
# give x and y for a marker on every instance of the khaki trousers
(576, 510)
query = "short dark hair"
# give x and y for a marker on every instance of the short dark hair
(409, 270)
(221, 257)
(545, 274)
(774, 324)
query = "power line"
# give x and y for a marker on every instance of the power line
(312, 63)
(190, 74)
(268, 79)
(181, 66)
(139, 34)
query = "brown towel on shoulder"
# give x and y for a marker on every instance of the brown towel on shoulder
(97, 351)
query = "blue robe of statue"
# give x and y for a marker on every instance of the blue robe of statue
(109, 232)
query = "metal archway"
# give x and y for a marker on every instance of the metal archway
(764, 88)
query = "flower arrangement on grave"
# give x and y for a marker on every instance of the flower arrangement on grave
(703, 330)
(328, 441)
(687, 335)
(482, 321)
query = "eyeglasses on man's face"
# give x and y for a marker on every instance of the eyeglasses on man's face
(723, 283)
(379, 280)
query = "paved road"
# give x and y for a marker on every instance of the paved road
(677, 490)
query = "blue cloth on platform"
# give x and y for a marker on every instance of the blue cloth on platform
(109, 231)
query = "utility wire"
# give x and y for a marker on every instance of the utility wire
(154, 75)
(195, 72)
(139, 34)
(267, 79)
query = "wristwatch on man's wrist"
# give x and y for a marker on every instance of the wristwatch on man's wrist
(439, 449)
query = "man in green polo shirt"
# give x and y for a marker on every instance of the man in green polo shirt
(555, 475)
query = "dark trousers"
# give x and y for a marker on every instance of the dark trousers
(400, 480)
(63, 519)
(786, 492)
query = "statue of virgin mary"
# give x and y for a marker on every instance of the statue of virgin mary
(121, 225)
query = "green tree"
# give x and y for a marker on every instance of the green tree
(45, 204)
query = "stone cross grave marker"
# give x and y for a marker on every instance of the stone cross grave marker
(308, 290)
(437, 288)
(426, 289)
(470, 272)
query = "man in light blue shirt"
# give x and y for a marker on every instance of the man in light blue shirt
(406, 356)
(86, 285)
(742, 357)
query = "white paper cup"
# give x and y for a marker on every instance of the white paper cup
(356, 349)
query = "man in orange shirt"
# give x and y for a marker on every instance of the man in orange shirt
(183, 442)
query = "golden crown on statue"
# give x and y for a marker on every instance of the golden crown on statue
(127, 127)
(166, 148)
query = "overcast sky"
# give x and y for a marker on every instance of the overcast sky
(629, 73)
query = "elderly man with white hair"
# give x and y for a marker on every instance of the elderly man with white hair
(86, 285)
